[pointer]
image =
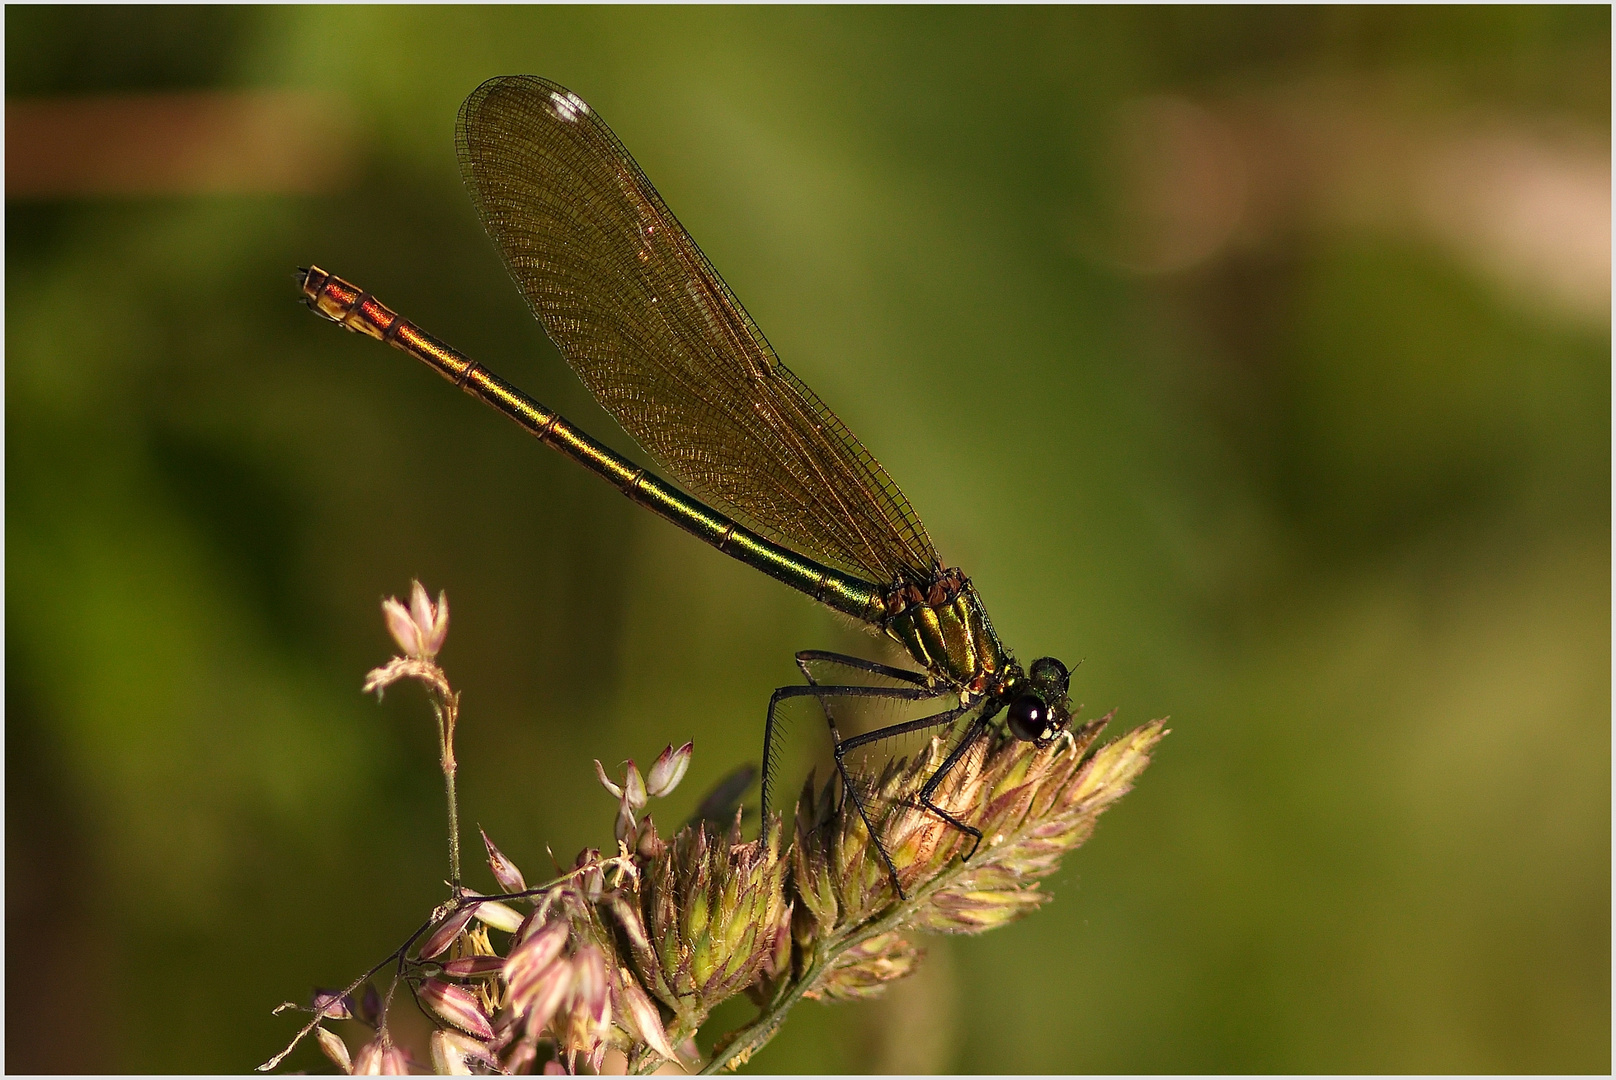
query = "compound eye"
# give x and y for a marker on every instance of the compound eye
(1028, 717)
(1048, 669)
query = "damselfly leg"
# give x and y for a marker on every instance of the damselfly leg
(890, 689)
(968, 743)
(816, 663)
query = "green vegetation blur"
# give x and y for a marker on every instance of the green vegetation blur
(1257, 358)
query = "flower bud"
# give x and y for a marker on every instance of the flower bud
(370, 1006)
(334, 1048)
(591, 880)
(668, 769)
(971, 911)
(585, 1024)
(444, 936)
(633, 787)
(536, 952)
(380, 1057)
(864, 970)
(405, 633)
(811, 871)
(368, 1062)
(433, 619)
(499, 916)
(712, 908)
(333, 1005)
(456, 1005)
(648, 845)
(625, 829)
(640, 1018)
(590, 992)
(453, 1053)
(628, 917)
(447, 1060)
(474, 967)
(536, 995)
(534, 920)
(421, 628)
(505, 872)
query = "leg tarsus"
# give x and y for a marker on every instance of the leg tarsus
(969, 830)
(850, 790)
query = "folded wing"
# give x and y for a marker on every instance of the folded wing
(649, 326)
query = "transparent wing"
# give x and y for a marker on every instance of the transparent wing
(909, 753)
(799, 734)
(891, 774)
(662, 343)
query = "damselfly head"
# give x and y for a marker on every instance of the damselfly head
(1049, 675)
(1041, 711)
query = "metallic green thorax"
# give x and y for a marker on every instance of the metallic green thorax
(942, 624)
(946, 629)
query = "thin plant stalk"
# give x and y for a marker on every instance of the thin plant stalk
(448, 709)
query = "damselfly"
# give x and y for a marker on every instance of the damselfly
(649, 326)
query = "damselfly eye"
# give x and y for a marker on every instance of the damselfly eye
(1027, 718)
(1047, 671)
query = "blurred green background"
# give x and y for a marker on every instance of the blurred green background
(1258, 357)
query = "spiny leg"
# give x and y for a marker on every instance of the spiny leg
(942, 719)
(977, 731)
(856, 663)
(808, 658)
(821, 693)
